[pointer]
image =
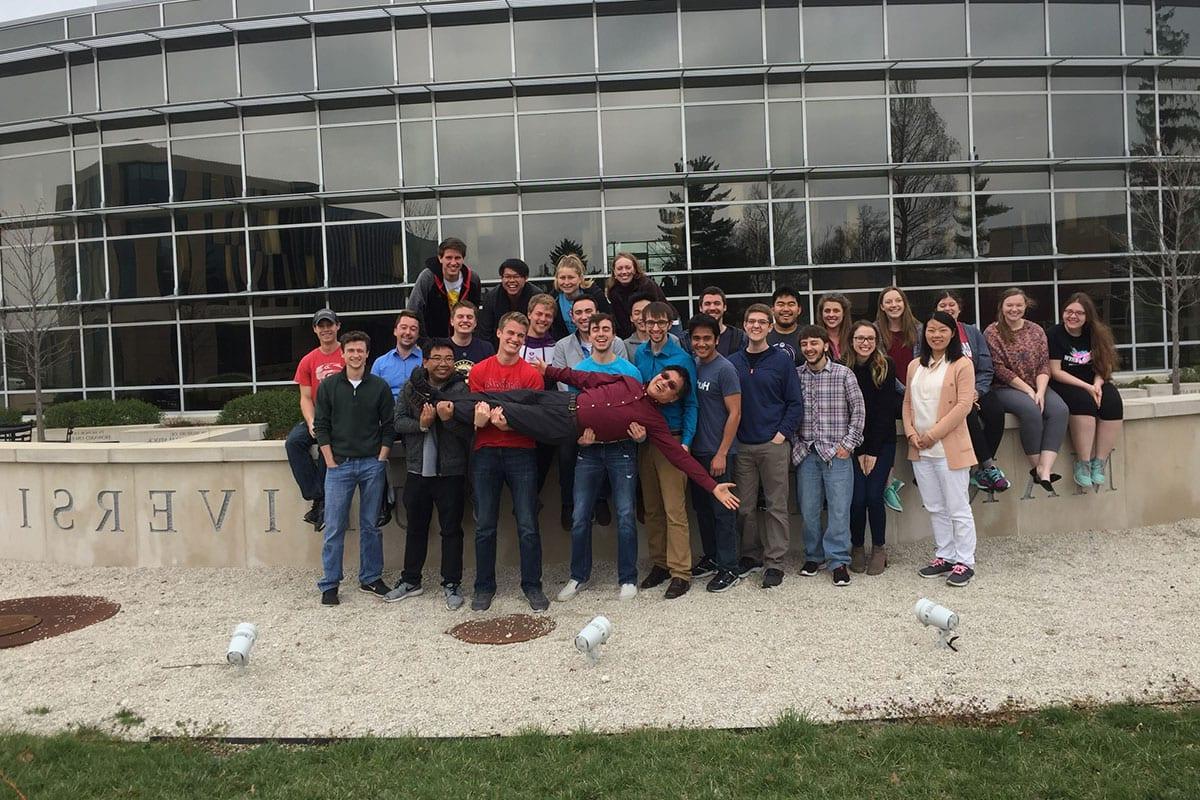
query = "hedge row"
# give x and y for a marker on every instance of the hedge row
(95, 413)
(279, 408)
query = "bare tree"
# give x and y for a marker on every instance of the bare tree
(1166, 239)
(34, 289)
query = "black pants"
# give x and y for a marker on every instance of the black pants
(986, 426)
(545, 416)
(421, 496)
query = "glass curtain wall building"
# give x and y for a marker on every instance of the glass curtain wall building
(211, 172)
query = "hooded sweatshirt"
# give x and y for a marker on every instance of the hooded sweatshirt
(431, 301)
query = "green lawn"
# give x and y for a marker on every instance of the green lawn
(1111, 753)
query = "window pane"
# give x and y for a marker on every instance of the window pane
(140, 267)
(206, 169)
(847, 132)
(1139, 30)
(476, 150)
(637, 35)
(787, 134)
(628, 147)
(412, 50)
(1090, 222)
(87, 178)
(365, 255)
(926, 29)
(416, 148)
(37, 269)
(548, 233)
(842, 30)
(83, 84)
(731, 136)
(1179, 122)
(559, 145)
(790, 233)
(30, 182)
(721, 33)
(95, 355)
(131, 76)
(549, 46)
(211, 263)
(1178, 27)
(1013, 224)
(135, 174)
(91, 271)
(471, 51)
(928, 129)
(783, 31)
(1008, 29)
(275, 62)
(196, 11)
(33, 89)
(733, 236)
(281, 163)
(352, 55)
(489, 240)
(846, 231)
(65, 372)
(286, 259)
(145, 355)
(1010, 127)
(360, 157)
(932, 226)
(1085, 27)
(654, 235)
(1087, 125)
(201, 69)
(215, 352)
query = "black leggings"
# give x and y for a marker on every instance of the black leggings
(986, 426)
(1081, 404)
(545, 416)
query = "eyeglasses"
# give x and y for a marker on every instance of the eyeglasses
(671, 383)
(758, 323)
(657, 323)
(1074, 314)
(864, 339)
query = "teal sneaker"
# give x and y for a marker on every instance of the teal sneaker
(1083, 474)
(1098, 476)
(891, 495)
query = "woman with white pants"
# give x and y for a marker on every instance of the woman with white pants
(941, 390)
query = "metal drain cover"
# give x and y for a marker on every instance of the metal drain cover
(15, 623)
(30, 619)
(508, 629)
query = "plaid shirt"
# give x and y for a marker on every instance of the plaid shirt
(834, 413)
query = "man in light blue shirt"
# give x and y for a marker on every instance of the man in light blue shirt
(396, 365)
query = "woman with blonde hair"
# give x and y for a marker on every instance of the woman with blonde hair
(627, 280)
(1083, 357)
(833, 314)
(570, 282)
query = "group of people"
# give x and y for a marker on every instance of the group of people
(487, 391)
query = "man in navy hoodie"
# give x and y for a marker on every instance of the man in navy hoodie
(441, 285)
(772, 408)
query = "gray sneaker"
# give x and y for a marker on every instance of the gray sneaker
(403, 590)
(537, 599)
(454, 598)
(482, 601)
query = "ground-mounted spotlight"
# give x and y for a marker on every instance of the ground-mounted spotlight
(946, 621)
(594, 634)
(241, 644)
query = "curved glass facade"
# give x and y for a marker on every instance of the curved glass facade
(212, 172)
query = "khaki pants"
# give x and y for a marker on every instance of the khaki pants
(668, 537)
(766, 465)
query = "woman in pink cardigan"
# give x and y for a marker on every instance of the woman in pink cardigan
(941, 390)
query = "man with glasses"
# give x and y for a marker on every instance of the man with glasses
(513, 294)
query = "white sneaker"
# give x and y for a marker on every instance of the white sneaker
(572, 588)
(628, 591)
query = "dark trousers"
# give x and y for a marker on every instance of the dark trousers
(517, 467)
(986, 426)
(421, 496)
(867, 501)
(718, 524)
(309, 474)
(545, 416)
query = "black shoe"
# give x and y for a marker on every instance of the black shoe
(723, 582)
(1047, 485)
(567, 518)
(656, 577)
(311, 516)
(704, 567)
(319, 522)
(960, 576)
(810, 569)
(537, 599)
(772, 577)
(678, 588)
(603, 513)
(329, 597)
(385, 516)
(482, 601)
(748, 566)
(841, 576)
(375, 587)
(936, 568)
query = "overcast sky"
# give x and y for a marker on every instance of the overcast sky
(17, 9)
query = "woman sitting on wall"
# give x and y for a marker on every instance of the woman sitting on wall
(833, 313)
(900, 339)
(1082, 359)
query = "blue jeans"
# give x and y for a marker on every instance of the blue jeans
(494, 467)
(868, 498)
(366, 475)
(616, 461)
(833, 483)
(309, 474)
(718, 524)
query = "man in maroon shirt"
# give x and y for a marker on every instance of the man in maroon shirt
(607, 409)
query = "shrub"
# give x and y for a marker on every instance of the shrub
(279, 408)
(95, 413)
(10, 416)
(1189, 375)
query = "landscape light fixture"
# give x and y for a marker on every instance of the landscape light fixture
(946, 621)
(241, 644)
(594, 634)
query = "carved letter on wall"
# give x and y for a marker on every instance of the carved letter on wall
(218, 520)
(271, 511)
(24, 507)
(167, 510)
(114, 512)
(62, 509)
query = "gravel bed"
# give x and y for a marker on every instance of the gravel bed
(1094, 616)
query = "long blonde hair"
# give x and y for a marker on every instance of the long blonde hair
(877, 359)
(908, 322)
(573, 262)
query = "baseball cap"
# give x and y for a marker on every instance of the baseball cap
(325, 314)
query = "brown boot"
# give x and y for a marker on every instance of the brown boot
(879, 561)
(858, 559)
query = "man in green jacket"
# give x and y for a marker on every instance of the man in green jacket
(353, 427)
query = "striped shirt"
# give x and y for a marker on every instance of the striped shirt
(834, 412)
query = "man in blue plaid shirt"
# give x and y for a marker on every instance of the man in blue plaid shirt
(831, 429)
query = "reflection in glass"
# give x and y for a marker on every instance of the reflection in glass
(354, 54)
(421, 238)
(550, 44)
(654, 235)
(95, 357)
(30, 182)
(412, 50)
(135, 174)
(1090, 222)
(92, 281)
(211, 263)
(284, 162)
(83, 83)
(558, 145)
(1017, 225)
(1008, 28)
(206, 169)
(360, 157)
(130, 76)
(791, 240)
(733, 136)
(932, 226)
(365, 255)
(733, 236)
(642, 35)
(1085, 27)
(476, 49)
(33, 89)
(787, 134)
(145, 355)
(273, 62)
(63, 372)
(783, 31)
(1010, 127)
(416, 152)
(926, 28)
(140, 267)
(847, 132)
(722, 34)
(849, 231)
(1178, 122)
(1177, 25)
(286, 259)
(215, 352)
(843, 30)
(1087, 125)
(545, 235)
(201, 69)
(928, 129)
(641, 141)
(476, 150)
(489, 240)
